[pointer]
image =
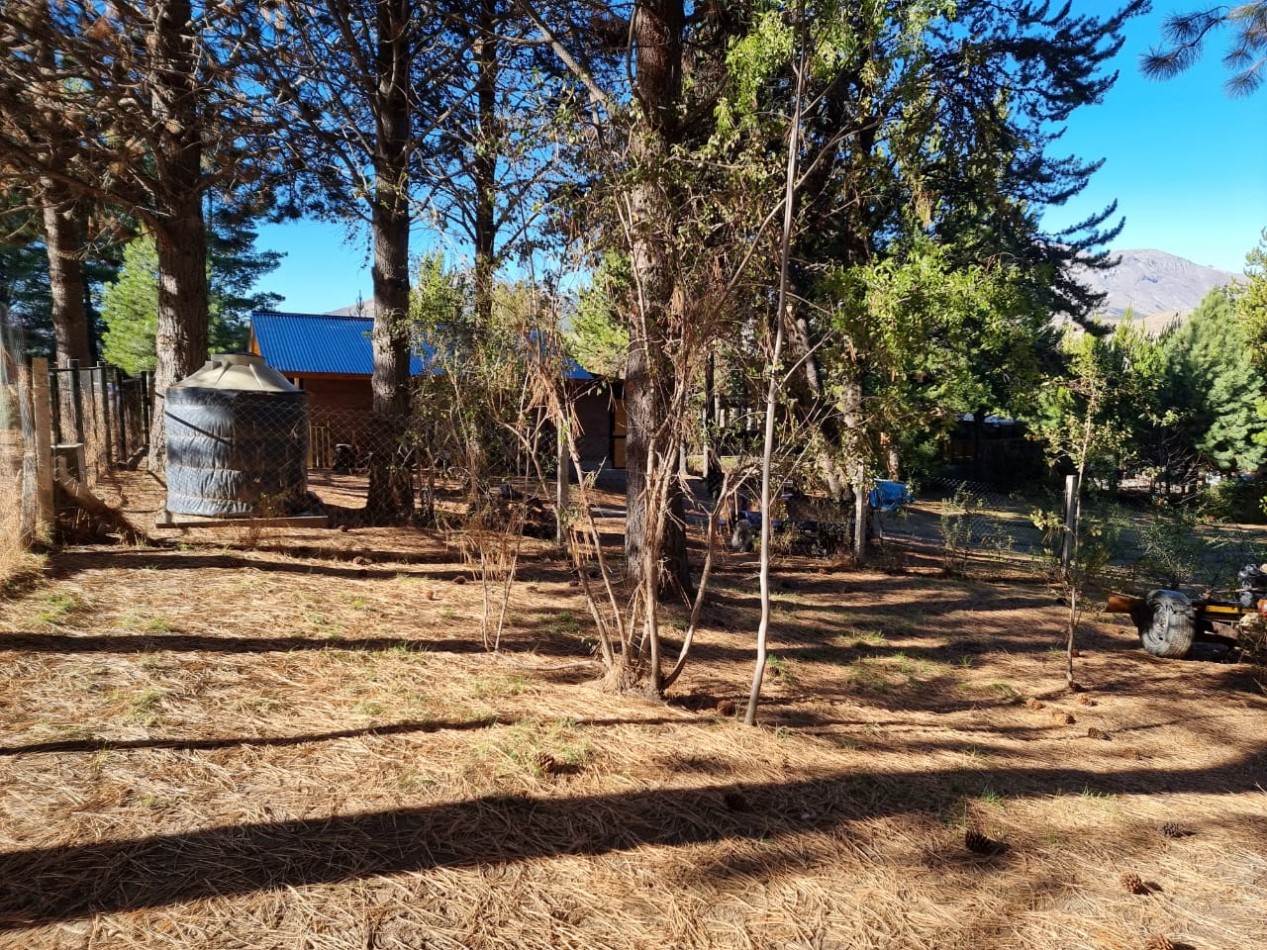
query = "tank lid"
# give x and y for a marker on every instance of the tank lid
(238, 371)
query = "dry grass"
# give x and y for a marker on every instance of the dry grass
(302, 743)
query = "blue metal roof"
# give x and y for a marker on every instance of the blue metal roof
(573, 370)
(302, 343)
(299, 343)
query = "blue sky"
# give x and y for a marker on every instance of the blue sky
(1186, 164)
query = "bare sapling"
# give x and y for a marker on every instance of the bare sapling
(1083, 433)
(628, 617)
(774, 371)
(1077, 570)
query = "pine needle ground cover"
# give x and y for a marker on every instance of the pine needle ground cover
(296, 739)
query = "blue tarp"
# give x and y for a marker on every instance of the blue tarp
(890, 496)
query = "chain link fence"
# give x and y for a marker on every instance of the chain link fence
(975, 527)
(100, 419)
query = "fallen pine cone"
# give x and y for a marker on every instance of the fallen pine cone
(1062, 718)
(1159, 942)
(460, 579)
(1132, 883)
(1172, 830)
(1094, 733)
(1083, 700)
(549, 764)
(361, 561)
(1033, 703)
(978, 843)
(431, 595)
(726, 707)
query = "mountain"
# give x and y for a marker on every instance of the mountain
(1152, 283)
(362, 308)
(1159, 288)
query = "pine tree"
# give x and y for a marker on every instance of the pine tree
(134, 105)
(130, 304)
(1185, 34)
(1212, 390)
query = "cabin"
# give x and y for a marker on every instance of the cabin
(328, 355)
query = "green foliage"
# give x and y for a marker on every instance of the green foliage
(1211, 390)
(597, 337)
(1236, 500)
(1087, 413)
(1171, 551)
(1185, 32)
(480, 409)
(130, 303)
(130, 308)
(24, 284)
(236, 266)
(24, 292)
(1251, 302)
(930, 339)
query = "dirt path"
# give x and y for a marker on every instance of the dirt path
(297, 739)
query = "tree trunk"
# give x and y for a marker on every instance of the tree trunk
(181, 337)
(851, 410)
(63, 241)
(644, 412)
(658, 31)
(485, 164)
(390, 496)
(180, 233)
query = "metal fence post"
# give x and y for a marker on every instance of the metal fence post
(53, 378)
(106, 435)
(76, 400)
(144, 385)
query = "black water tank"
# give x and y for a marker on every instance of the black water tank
(237, 441)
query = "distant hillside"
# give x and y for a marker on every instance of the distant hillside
(1155, 285)
(1161, 289)
(364, 308)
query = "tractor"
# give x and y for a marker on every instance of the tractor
(1169, 622)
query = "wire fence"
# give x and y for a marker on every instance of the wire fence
(100, 419)
(97, 419)
(1142, 540)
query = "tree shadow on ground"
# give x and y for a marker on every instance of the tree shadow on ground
(68, 564)
(410, 727)
(136, 643)
(62, 882)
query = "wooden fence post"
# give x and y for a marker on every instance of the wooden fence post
(1071, 523)
(42, 413)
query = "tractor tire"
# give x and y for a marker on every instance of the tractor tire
(1169, 624)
